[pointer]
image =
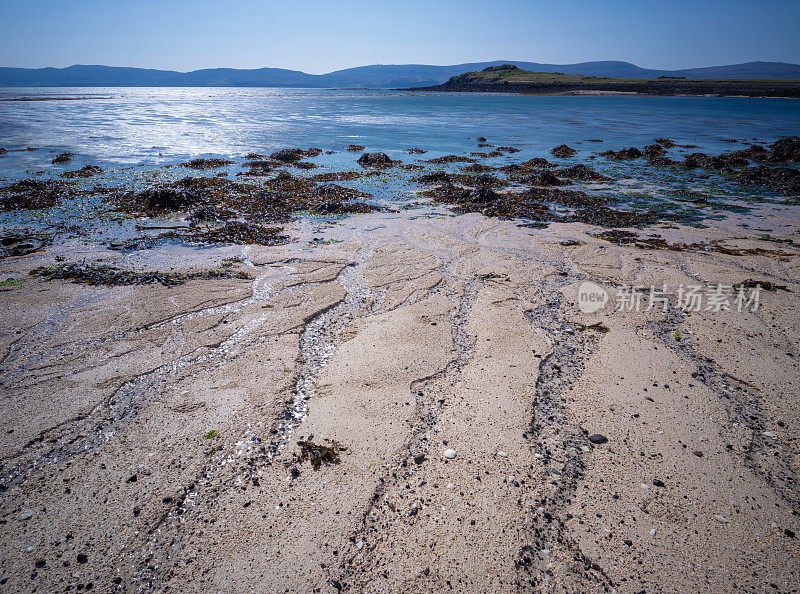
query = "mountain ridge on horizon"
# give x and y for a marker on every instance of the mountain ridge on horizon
(371, 76)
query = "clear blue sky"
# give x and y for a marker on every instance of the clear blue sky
(319, 36)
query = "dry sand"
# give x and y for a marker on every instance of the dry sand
(409, 337)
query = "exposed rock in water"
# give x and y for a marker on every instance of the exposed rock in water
(623, 154)
(375, 160)
(355, 148)
(294, 154)
(63, 158)
(434, 178)
(562, 151)
(86, 171)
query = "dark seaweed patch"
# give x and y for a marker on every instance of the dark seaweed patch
(207, 163)
(319, 454)
(32, 194)
(103, 274)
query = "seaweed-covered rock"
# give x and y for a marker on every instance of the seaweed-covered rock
(488, 180)
(355, 148)
(207, 163)
(375, 160)
(623, 154)
(21, 245)
(32, 194)
(436, 177)
(784, 178)
(786, 150)
(563, 151)
(85, 171)
(483, 195)
(288, 155)
(544, 178)
(654, 150)
(665, 142)
(537, 163)
(63, 158)
(169, 198)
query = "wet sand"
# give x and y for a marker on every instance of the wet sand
(149, 434)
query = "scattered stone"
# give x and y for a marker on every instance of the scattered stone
(502, 454)
(450, 454)
(722, 519)
(26, 514)
(598, 438)
(82, 558)
(658, 483)
(419, 458)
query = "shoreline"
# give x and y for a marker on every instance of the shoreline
(408, 399)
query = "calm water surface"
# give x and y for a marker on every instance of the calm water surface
(154, 126)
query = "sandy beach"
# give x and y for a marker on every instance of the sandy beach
(445, 383)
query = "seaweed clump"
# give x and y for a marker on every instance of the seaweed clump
(106, 275)
(31, 194)
(319, 454)
(207, 163)
(240, 233)
(294, 154)
(85, 171)
(782, 178)
(355, 148)
(63, 158)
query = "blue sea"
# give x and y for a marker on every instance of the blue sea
(114, 127)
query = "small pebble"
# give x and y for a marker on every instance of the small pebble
(597, 438)
(502, 454)
(450, 454)
(722, 519)
(26, 514)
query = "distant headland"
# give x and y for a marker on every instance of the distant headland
(508, 78)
